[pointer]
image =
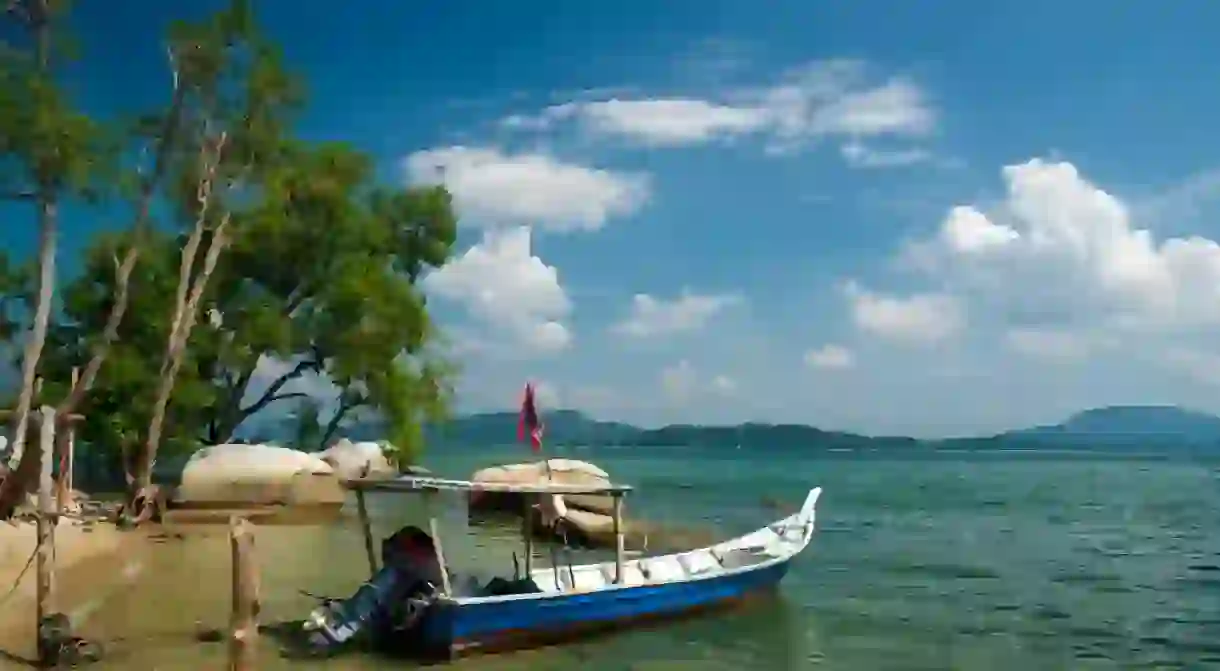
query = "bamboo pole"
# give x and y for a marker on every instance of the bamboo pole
(366, 526)
(620, 544)
(243, 642)
(47, 517)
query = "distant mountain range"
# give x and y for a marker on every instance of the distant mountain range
(1116, 427)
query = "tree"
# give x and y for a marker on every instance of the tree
(309, 269)
(51, 152)
(319, 280)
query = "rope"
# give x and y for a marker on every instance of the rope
(20, 576)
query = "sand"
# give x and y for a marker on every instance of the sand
(82, 552)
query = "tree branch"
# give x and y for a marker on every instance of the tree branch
(272, 393)
(122, 280)
(347, 403)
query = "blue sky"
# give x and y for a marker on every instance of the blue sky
(927, 218)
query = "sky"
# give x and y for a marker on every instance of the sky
(930, 219)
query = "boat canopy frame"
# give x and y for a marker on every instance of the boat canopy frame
(429, 486)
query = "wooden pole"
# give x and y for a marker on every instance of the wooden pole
(63, 493)
(70, 471)
(528, 532)
(620, 545)
(434, 530)
(47, 517)
(243, 641)
(366, 527)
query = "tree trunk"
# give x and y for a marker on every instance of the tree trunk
(183, 317)
(16, 483)
(177, 349)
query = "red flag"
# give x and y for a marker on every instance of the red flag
(529, 423)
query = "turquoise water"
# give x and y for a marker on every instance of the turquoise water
(1001, 562)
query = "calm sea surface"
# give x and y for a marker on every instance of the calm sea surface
(990, 562)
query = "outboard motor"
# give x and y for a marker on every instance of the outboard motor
(398, 595)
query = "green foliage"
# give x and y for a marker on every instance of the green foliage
(47, 146)
(320, 277)
(317, 278)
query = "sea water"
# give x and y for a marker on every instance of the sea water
(994, 562)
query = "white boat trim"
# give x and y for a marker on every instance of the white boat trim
(779, 542)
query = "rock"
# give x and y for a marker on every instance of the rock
(352, 461)
(563, 471)
(257, 474)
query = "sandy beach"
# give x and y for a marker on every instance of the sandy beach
(87, 555)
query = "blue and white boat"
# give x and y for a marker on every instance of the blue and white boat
(403, 605)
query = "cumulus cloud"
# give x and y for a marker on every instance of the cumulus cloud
(919, 319)
(653, 317)
(1060, 270)
(501, 282)
(1061, 252)
(818, 100)
(492, 188)
(831, 357)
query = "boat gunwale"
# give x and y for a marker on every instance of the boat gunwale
(413, 484)
(809, 529)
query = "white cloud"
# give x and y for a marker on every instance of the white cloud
(1061, 252)
(916, 319)
(830, 356)
(670, 122)
(858, 155)
(820, 99)
(501, 282)
(651, 317)
(492, 188)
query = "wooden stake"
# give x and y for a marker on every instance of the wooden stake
(366, 526)
(70, 470)
(47, 517)
(528, 532)
(63, 493)
(620, 544)
(243, 641)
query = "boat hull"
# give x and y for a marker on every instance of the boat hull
(456, 629)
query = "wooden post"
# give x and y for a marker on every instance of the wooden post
(366, 527)
(243, 641)
(434, 530)
(528, 532)
(620, 545)
(63, 494)
(47, 517)
(70, 472)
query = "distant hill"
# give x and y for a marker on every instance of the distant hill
(1129, 425)
(1102, 428)
(575, 428)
